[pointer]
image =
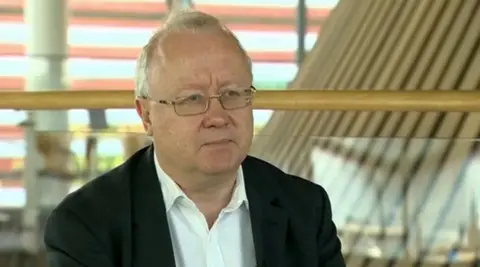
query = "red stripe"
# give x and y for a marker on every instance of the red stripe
(128, 53)
(8, 132)
(160, 7)
(156, 23)
(6, 165)
(10, 183)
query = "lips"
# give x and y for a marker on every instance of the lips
(218, 142)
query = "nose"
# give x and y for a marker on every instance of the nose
(216, 116)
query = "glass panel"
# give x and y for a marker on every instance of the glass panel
(392, 198)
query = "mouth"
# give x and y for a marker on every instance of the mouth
(219, 142)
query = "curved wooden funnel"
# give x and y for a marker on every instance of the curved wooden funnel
(391, 159)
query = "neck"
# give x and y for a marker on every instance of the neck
(211, 193)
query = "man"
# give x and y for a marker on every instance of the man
(194, 198)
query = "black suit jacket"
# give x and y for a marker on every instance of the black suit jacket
(119, 220)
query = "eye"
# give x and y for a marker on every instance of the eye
(191, 99)
(232, 93)
(194, 98)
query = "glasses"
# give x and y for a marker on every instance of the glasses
(199, 103)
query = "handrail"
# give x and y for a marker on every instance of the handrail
(359, 100)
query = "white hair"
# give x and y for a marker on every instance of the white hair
(182, 20)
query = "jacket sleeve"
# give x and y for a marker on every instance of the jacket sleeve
(70, 243)
(328, 243)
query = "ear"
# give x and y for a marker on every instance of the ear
(143, 111)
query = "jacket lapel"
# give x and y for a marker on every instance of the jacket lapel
(150, 232)
(269, 219)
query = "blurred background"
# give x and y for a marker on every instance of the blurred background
(404, 186)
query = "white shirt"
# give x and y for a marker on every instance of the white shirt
(229, 243)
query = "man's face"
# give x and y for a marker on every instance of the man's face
(205, 63)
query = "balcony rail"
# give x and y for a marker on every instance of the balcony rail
(346, 100)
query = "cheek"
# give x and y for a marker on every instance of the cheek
(244, 123)
(175, 134)
(244, 119)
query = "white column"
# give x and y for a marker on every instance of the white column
(46, 52)
(180, 4)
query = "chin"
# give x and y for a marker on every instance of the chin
(217, 169)
(221, 162)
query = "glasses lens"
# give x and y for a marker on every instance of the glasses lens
(236, 99)
(191, 105)
(185, 110)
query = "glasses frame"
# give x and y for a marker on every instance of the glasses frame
(174, 103)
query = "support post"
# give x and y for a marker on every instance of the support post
(301, 30)
(179, 4)
(46, 55)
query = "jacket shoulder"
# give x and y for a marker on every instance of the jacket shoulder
(105, 196)
(298, 190)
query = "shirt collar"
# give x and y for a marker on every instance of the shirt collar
(172, 192)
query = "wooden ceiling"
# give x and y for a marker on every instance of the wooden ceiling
(416, 170)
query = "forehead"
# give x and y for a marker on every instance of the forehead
(202, 56)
